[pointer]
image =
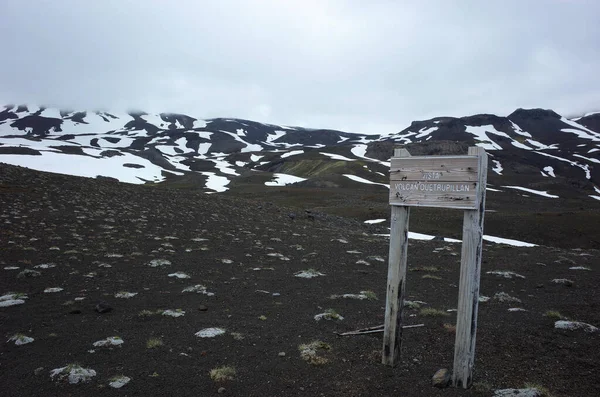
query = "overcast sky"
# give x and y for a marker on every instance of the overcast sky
(363, 66)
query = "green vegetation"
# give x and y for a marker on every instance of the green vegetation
(431, 312)
(221, 374)
(554, 315)
(309, 352)
(153, 343)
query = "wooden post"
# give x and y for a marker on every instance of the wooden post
(396, 282)
(470, 269)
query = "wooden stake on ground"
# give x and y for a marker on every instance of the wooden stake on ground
(470, 269)
(394, 307)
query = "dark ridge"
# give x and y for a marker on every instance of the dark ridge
(535, 114)
(112, 139)
(39, 125)
(18, 150)
(78, 117)
(186, 121)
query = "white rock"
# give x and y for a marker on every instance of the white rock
(529, 392)
(308, 274)
(45, 266)
(574, 325)
(579, 268)
(119, 381)
(75, 374)
(516, 309)
(180, 275)
(173, 313)
(125, 295)
(198, 288)
(12, 300)
(159, 263)
(483, 298)
(110, 341)
(54, 289)
(21, 339)
(505, 274)
(210, 332)
(11, 268)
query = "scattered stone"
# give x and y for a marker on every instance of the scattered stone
(529, 392)
(281, 354)
(516, 309)
(310, 273)
(74, 373)
(125, 295)
(483, 298)
(38, 371)
(202, 308)
(226, 261)
(198, 288)
(28, 273)
(506, 298)
(180, 275)
(110, 341)
(119, 381)
(362, 262)
(11, 268)
(51, 290)
(579, 268)
(173, 313)
(221, 390)
(45, 266)
(20, 339)
(441, 378)
(505, 274)
(159, 263)
(12, 300)
(210, 332)
(575, 325)
(103, 307)
(329, 314)
(564, 281)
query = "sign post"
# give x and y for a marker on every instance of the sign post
(443, 182)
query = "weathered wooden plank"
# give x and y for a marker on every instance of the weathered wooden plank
(434, 168)
(462, 195)
(435, 181)
(470, 269)
(394, 305)
(396, 286)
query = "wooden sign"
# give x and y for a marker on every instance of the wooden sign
(447, 182)
(435, 181)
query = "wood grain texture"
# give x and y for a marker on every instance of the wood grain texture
(396, 286)
(435, 181)
(470, 269)
(396, 281)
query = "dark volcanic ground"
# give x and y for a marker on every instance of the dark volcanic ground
(246, 252)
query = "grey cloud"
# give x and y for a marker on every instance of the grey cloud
(353, 65)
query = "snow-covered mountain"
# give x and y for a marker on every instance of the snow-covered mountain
(535, 148)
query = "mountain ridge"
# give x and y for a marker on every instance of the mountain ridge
(533, 147)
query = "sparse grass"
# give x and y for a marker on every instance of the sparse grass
(146, 313)
(482, 388)
(431, 312)
(153, 343)
(309, 352)
(370, 295)
(221, 374)
(412, 305)
(450, 327)
(430, 269)
(544, 390)
(554, 315)
(431, 276)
